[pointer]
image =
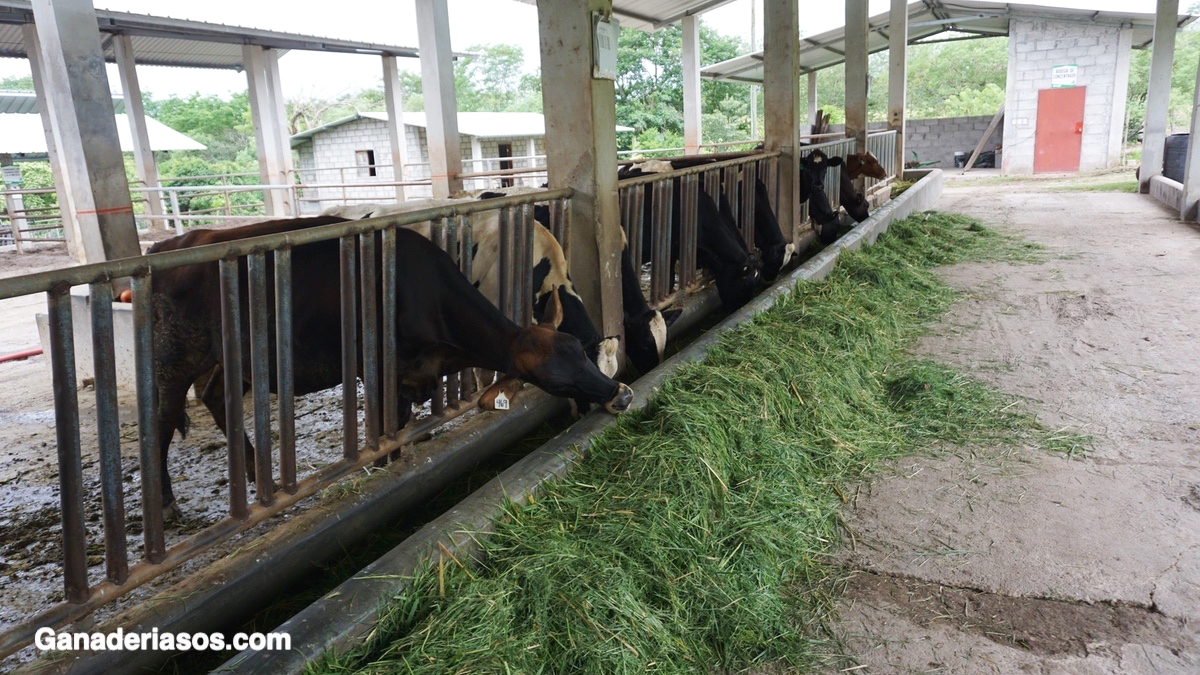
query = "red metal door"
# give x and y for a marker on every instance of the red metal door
(1059, 135)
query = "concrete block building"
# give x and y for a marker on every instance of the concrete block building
(352, 158)
(1065, 100)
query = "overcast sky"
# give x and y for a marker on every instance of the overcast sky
(392, 22)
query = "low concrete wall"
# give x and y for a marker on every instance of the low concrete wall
(344, 616)
(1167, 191)
(81, 319)
(937, 139)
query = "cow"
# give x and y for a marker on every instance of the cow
(443, 325)
(858, 164)
(768, 238)
(549, 270)
(719, 247)
(813, 168)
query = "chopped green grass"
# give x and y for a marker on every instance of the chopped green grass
(694, 537)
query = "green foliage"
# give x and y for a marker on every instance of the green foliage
(492, 81)
(224, 126)
(945, 79)
(649, 86)
(24, 83)
(695, 536)
(1183, 84)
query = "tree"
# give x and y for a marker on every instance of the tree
(649, 85)
(492, 81)
(224, 126)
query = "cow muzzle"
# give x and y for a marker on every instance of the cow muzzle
(621, 402)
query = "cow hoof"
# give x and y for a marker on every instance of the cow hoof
(171, 512)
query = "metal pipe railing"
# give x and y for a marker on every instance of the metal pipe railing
(255, 263)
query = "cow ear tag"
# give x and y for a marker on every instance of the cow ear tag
(501, 402)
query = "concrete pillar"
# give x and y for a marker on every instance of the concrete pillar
(1158, 93)
(781, 103)
(812, 100)
(856, 73)
(473, 167)
(691, 85)
(1189, 206)
(85, 129)
(394, 99)
(441, 106)
(265, 120)
(283, 145)
(581, 152)
(143, 154)
(62, 186)
(898, 76)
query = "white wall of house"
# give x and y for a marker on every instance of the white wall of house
(332, 157)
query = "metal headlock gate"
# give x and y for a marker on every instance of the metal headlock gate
(881, 144)
(735, 178)
(452, 230)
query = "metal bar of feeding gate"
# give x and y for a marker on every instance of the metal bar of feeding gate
(391, 376)
(70, 467)
(260, 376)
(347, 270)
(368, 277)
(112, 487)
(285, 375)
(231, 342)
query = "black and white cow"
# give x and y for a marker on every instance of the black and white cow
(443, 325)
(813, 169)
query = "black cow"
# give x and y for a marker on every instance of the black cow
(776, 252)
(549, 271)
(719, 246)
(443, 325)
(645, 327)
(812, 189)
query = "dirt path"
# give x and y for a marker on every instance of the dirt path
(1022, 561)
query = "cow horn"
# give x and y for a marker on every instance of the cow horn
(553, 315)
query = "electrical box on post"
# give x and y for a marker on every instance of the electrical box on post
(605, 31)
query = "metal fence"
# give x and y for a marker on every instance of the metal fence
(734, 178)
(88, 587)
(880, 144)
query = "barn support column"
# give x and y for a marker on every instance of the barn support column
(265, 120)
(691, 85)
(898, 76)
(394, 99)
(812, 101)
(1189, 207)
(81, 114)
(143, 154)
(856, 73)
(283, 145)
(441, 106)
(62, 184)
(781, 104)
(1158, 93)
(581, 153)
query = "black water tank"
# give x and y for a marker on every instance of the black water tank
(1175, 156)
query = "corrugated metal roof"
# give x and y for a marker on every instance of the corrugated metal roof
(928, 18)
(23, 134)
(478, 124)
(163, 41)
(651, 15)
(24, 102)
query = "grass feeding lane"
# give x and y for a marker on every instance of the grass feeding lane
(694, 537)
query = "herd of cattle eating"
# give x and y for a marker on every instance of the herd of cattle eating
(447, 322)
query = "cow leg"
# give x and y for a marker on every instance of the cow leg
(213, 398)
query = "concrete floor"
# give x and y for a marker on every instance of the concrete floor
(1018, 560)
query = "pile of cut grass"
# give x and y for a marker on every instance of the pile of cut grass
(693, 536)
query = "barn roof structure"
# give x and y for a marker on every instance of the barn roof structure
(164, 41)
(967, 19)
(21, 134)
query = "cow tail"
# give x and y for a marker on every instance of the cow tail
(185, 423)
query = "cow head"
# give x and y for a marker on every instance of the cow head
(737, 284)
(813, 169)
(555, 362)
(646, 337)
(775, 251)
(865, 164)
